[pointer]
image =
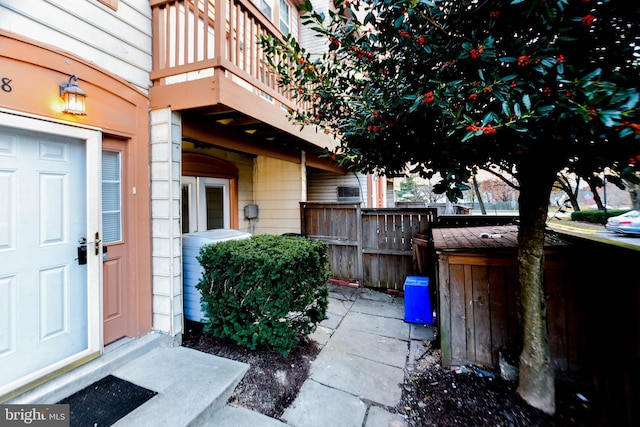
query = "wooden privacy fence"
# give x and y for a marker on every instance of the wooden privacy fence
(372, 246)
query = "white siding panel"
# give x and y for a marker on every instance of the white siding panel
(165, 222)
(308, 38)
(295, 22)
(118, 41)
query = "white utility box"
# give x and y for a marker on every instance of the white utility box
(192, 270)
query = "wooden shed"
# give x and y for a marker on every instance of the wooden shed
(478, 299)
(593, 307)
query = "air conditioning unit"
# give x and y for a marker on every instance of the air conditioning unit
(349, 194)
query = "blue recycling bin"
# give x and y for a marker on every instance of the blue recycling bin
(417, 302)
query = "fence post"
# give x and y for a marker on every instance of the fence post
(359, 252)
(303, 220)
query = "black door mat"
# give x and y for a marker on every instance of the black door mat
(104, 402)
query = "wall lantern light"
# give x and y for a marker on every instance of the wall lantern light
(74, 97)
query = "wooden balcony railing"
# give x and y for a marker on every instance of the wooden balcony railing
(191, 42)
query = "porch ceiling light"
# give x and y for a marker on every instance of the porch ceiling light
(74, 97)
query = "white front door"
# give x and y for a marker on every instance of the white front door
(49, 301)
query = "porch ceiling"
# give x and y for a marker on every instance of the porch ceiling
(231, 129)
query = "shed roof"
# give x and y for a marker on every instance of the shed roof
(485, 238)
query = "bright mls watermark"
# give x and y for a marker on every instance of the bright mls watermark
(56, 415)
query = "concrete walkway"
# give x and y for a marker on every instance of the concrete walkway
(356, 380)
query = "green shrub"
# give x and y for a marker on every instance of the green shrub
(594, 216)
(265, 291)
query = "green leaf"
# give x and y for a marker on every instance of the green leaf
(549, 62)
(526, 101)
(306, 6)
(591, 76)
(506, 110)
(415, 104)
(545, 109)
(468, 136)
(516, 109)
(488, 118)
(610, 118)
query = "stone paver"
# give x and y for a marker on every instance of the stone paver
(344, 293)
(359, 376)
(378, 417)
(385, 326)
(370, 294)
(320, 406)
(321, 335)
(377, 348)
(421, 332)
(338, 306)
(332, 321)
(379, 308)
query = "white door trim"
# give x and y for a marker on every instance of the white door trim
(191, 183)
(93, 145)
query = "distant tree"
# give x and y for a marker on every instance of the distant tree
(414, 189)
(428, 189)
(570, 185)
(409, 191)
(446, 85)
(631, 181)
(496, 190)
(476, 192)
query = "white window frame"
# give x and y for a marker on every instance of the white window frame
(197, 190)
(282, 22)
(191, 183)
(120, 201)
(203, 183)
(270, 5)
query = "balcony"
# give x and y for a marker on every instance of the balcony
(207, 64)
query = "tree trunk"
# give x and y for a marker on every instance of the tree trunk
(633, 190)
(480, 202)
(596, 197)
(536, 384)
(565, 185)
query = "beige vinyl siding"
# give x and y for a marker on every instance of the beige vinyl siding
(118, 41)
(323, 186)
(277, 192)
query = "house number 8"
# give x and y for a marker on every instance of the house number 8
(5, 84)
